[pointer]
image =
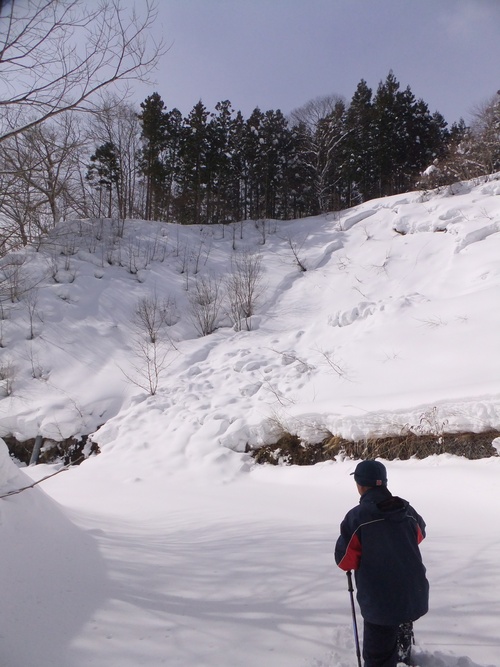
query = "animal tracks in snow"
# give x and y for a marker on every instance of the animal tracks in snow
(365, 309)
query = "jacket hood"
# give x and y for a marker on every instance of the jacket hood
(384, 504)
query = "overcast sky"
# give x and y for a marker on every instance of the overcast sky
(278, 54)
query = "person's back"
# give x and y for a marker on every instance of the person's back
(379, 540)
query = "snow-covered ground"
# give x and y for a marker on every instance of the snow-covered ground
(171, 547)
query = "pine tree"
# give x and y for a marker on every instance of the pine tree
(171, 159)
(388, 134)
(275, 142)
(219, 163)
(104, 173)
(427, 139)
(237, 195)
(154, 138)
(253, 167)
(360, 164)
(407, 137)
(301, 175)
(193, 169)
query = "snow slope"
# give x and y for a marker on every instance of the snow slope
(171, 547)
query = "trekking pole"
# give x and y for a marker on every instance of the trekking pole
(354, 622)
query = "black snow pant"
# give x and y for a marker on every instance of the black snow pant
(386, 645)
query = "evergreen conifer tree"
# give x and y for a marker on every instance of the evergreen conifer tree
(104, 173)
(219, 163)
(154, 138)
(407, 137)
(360, 164)
(193, 171)
(254, 165)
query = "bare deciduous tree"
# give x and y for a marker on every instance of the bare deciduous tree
(31, 303)
(205, 304)
(485, 131)
(151, 363)
(55, 55)
(116, 122)
(7, 376)
(313, 112)
(21, 206)
(319, 123)
(244, 288)
(151, 345)
(472, 151)
(40, 167)
(12, 278)
(296, 248)
(153, 314)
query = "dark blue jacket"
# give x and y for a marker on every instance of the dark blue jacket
(379, 540)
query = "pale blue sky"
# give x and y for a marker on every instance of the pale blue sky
(282, 53)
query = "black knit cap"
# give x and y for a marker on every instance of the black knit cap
(370, 473)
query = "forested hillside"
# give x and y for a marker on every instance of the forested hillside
(212, 167)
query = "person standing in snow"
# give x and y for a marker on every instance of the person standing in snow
(379, 540)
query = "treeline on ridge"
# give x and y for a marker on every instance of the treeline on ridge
(219, 167)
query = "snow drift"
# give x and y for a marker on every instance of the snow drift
(171, 546)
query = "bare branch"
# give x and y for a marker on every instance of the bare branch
(55, 55)
(244, 288)
(205, 304)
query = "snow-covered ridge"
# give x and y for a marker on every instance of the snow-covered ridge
(396, 313)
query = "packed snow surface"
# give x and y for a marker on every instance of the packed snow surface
(171, 546)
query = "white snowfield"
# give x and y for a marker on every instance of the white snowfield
(172, 547)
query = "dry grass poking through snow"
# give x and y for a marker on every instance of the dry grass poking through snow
(290, 450)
